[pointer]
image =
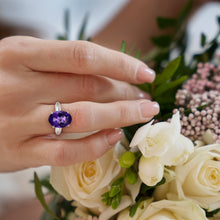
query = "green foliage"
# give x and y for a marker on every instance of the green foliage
(145, 188)
(212, 213)
(133, 208)
(165, 44)
(123, 47)
(145, 192)
(162, 41)
(113, 196)
(168, 73)
(40, 196)
(203, 40)
(166, 22)
(66, 34)
(81, 35)
(131, 176)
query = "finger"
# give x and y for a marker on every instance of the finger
(90, 116)
(40, 151)
(71, 88)
(79, 57)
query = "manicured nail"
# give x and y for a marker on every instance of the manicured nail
(114, 136)
(143, 95)
(145, 74)
(149, 109)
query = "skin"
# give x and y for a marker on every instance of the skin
(136, 22)
(91, 82)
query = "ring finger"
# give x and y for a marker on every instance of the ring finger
(90, 116)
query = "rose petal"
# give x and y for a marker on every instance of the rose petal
(57, 180)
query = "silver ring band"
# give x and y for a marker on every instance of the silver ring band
(58, 108)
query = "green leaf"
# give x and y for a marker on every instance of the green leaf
(131, 49)
(81, 35)
(123, 47)
(218, 20)
(107, 199)
(185, 12)
(116, 201)
(131, 176)
(138, 54)
(166, 22)
(133, 208)
(67, 24)
(114, 190)
(167, 86)
(162, 41)
(210, 214)
(40, 196)
(145, 87)
(207, 54)
(145, 188)
(53, 205)
(203, 40)
(116, 187)
(61, 37)
(169, 71)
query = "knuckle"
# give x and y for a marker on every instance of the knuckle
(79, 121)
(124, 66)
(88, 86)
(11, 48)
(127, 93)
(83, 54)
(124, 112)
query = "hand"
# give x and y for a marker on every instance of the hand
(87, 79)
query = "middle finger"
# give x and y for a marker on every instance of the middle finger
(69, 88)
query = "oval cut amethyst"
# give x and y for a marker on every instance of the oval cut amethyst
(60, 119)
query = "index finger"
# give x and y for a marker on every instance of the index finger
(82, 57)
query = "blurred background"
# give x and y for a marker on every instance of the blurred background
(44, 19)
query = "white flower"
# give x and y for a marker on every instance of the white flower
(155, 140)
(150, 170)
(86, 182)
(161, 144)
(165, 210)
(199, 178)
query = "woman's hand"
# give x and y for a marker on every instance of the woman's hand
(87, 79)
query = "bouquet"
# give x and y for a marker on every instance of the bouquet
(168, 168)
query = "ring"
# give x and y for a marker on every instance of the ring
(59, 119)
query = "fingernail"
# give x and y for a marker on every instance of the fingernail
(143, 95)
(114, 136)
(149, 108)
(145, 74)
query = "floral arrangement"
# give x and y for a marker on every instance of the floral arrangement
(166, 169)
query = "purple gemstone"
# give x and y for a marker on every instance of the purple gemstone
(60, 119)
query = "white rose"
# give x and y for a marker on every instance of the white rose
(165, 210)
(199, 178)
(161, 145)
(86, 182)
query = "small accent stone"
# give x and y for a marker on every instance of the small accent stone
(60, 119)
